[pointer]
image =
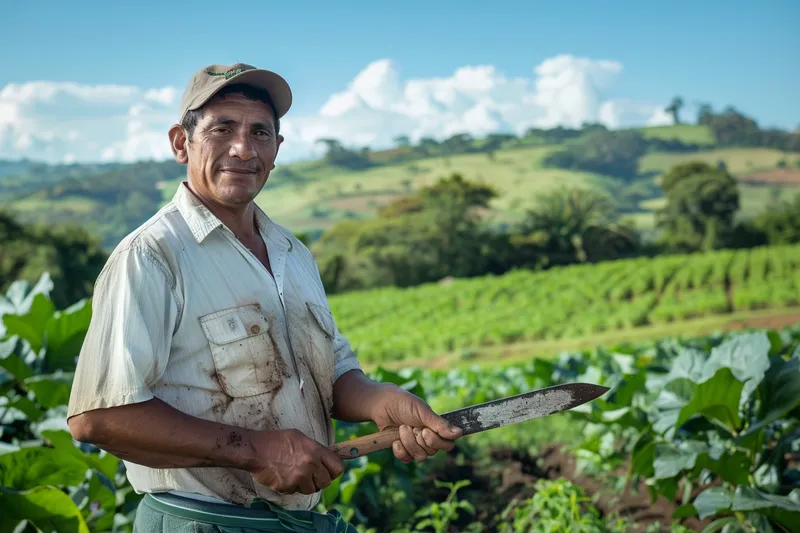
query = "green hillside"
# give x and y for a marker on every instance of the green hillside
(352, 183)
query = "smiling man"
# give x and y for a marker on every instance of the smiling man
(213, 365)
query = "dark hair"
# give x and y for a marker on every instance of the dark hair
(192, 117)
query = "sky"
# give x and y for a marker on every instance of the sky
(102, 81)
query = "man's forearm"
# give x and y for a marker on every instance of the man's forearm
(155, 434)
(355, 396)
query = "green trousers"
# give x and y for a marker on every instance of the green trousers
(167, 513)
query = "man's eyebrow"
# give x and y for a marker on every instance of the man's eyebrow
(230, 121)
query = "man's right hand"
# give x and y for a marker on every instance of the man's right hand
(287, 461)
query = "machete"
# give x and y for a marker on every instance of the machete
(481, 417)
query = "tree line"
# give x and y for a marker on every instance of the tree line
(447, 229)
(593, 147)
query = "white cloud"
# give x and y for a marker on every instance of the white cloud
(64, 121)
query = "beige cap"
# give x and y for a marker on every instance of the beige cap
(208, 80)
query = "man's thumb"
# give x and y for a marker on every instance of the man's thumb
(441, 426)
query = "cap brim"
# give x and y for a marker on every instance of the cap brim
(274, 84)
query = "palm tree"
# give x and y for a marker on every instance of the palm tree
(578, 224)
(674, 107)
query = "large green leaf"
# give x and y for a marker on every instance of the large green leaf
(711, 501)
(102, 504)
(717, 399)
(353, 478)
(31, 467)
(104, 462)
(11, 362)
(784, 509)
(19, 297)
(747, 356)
(65, 334)
(51, 390)
(31, 325)
(713, 386)
(780, 392)
(671, 460)
(26, 406)
(48, 508)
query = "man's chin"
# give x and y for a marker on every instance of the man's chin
(237, 195)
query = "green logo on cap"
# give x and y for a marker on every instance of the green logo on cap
(228, 74)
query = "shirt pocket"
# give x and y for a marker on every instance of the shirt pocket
(244, 353)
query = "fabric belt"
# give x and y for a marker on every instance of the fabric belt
(259, 515)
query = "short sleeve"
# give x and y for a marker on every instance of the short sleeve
(344, 357)
(127, 345)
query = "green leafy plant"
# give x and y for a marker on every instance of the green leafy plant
(556, 506)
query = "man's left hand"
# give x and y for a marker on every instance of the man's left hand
(422, 432)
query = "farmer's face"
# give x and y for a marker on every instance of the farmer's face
(232, 150)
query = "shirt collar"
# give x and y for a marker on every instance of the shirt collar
(202, 221)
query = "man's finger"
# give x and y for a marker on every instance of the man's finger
(434, 441)
(400, 452)
(321, 478)
(333, 463)
(421, 441)
(410, 443)
(440, 425)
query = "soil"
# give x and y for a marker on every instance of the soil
(778, 176)
(514, 473)
(767, 322)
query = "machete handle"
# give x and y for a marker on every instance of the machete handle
(374, 442)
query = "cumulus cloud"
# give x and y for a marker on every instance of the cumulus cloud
(72, 122)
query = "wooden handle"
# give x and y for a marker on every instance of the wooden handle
(374, 442)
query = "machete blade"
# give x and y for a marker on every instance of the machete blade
(522, 407)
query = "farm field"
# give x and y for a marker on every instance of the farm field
(326, 195)
(393, 324)
(693, 433)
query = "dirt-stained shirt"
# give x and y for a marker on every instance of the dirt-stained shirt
(183, 312)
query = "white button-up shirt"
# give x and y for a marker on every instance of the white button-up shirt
(183, 312)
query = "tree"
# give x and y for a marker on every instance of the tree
(577, 225)
(704, 114)
(402, 141)
(674, 108)
(702, 201)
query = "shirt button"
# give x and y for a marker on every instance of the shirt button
(255, 329)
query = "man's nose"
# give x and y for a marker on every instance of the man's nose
(242, 146)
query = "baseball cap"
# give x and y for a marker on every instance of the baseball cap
(207, 81)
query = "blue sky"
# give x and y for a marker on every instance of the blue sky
(746, 54)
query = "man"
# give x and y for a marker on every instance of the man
(212, 365)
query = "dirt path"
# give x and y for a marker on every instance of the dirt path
(509, 353)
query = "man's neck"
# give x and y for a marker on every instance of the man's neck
(240, 221)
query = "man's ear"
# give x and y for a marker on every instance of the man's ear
(177, 141)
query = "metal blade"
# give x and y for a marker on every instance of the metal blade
(522, 407)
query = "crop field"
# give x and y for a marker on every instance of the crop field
(394, 324)
(693, 434)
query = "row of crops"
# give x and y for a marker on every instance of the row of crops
(711, 425)
(575, 301)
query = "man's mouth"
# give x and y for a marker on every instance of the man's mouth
(239, 170)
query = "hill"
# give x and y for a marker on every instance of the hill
(351, 184)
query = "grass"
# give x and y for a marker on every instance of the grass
(516, 174)
(688, 133)
(513, 353)
(61, 207)
(738, 160)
